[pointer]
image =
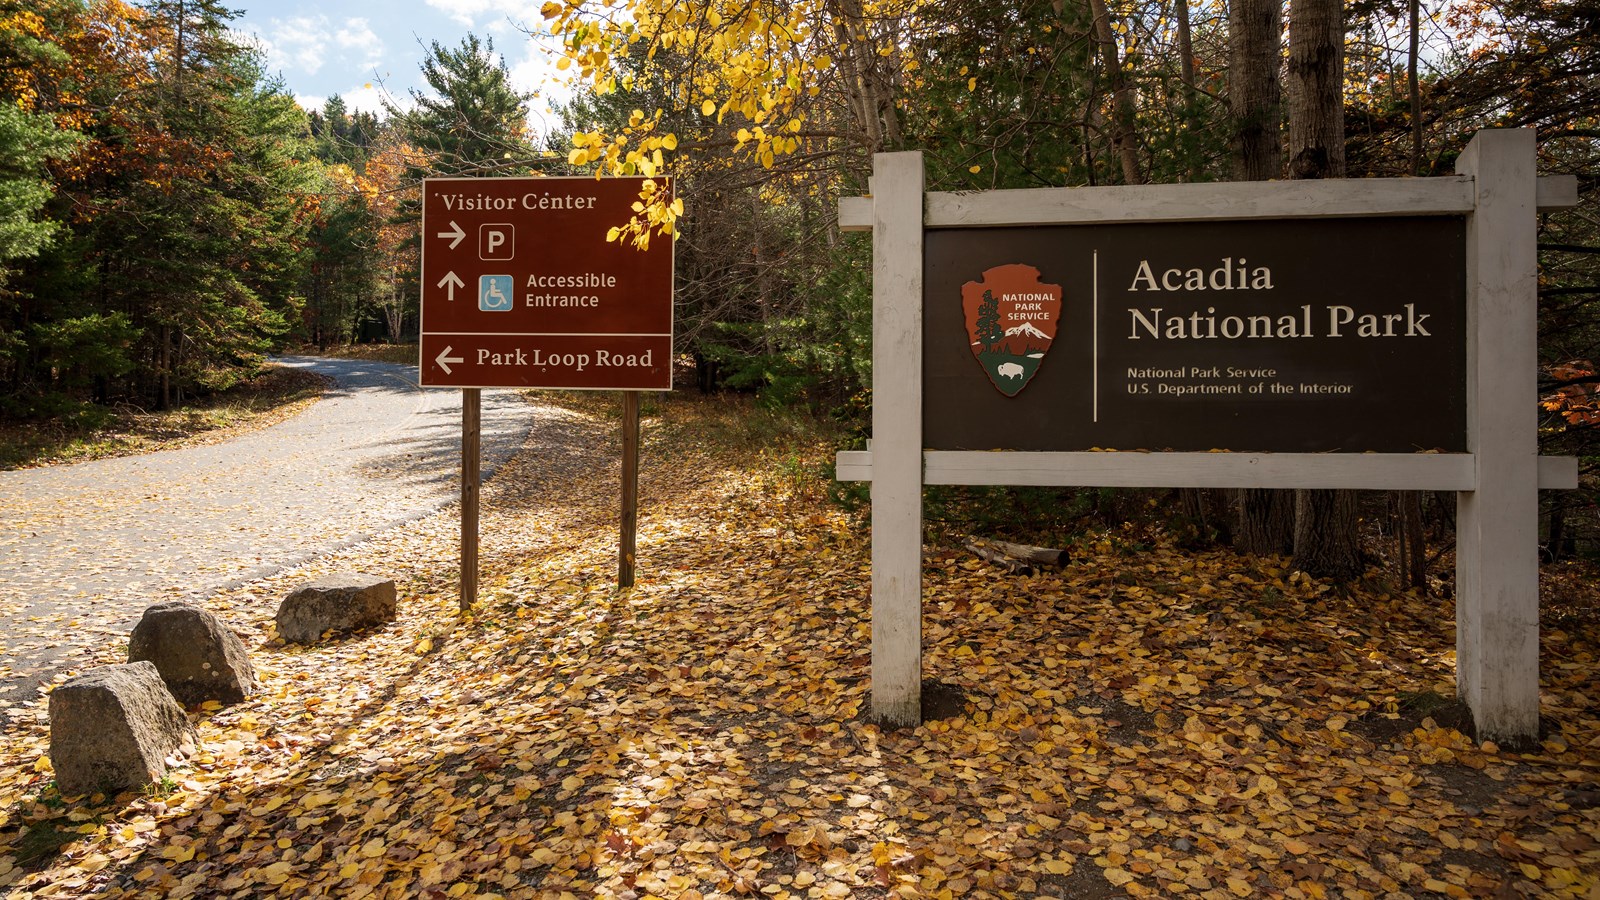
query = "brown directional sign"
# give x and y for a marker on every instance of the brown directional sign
(520, 287)
(1305, 335)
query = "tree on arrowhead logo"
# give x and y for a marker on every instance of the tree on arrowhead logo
(1011, 322)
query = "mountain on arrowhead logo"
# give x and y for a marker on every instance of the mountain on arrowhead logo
(1011, 323)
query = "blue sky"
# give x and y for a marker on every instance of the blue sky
(364, 49)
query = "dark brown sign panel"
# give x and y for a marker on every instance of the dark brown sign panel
(520, 287)
(1305, 335)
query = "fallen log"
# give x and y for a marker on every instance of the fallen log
(1018, 559)
(1013, 566)
(1042, 556)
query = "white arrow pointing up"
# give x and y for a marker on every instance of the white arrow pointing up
(445, 359)
(455, 234)
(450, 282)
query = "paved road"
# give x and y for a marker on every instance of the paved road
(85, 548)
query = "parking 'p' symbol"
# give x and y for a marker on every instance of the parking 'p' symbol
(496, 241)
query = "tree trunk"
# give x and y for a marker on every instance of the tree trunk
(1327, 541)
(164, 401)
(1180, 11)
(872, 98)
(1316, 89)
(1414, 88)
(1265, 518)
(1558, 544)
(1255, 34)
(1266, 522)
(1413, 540)
(1124, 138)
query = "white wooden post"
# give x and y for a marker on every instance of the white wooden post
(1497, 525)
(897, 186)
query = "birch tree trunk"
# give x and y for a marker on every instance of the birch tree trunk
(1124, 113)
(1180, 11)
(871, 93)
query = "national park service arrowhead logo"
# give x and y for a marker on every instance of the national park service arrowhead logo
(1011, 323)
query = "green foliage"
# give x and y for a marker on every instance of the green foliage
(27, 141)
(339, 137)
(1001, 96)
(79, 350)
(342, 280)
(817, 350)
(180, 234)
(473, 122)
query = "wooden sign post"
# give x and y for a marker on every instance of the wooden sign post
(471, 481)
(629, 538)
(1186, 325)
(521, 289)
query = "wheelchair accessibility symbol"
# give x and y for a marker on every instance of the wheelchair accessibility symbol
(494, 293)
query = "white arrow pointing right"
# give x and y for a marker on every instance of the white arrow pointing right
(445, 359)
(455, 234)
(450, 282)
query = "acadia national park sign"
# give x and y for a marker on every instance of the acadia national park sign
(1375, 333)
(1299, 335)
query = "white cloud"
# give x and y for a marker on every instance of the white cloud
(368, 97)
(471, 12)
(298, 44)
(535, 73)
(364, 97)
(302, 45)
(358, 41)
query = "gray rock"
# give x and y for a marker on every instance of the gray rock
(337, 603)
(112, 729)
(198, 656)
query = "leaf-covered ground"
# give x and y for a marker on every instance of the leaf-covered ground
(1147, 722)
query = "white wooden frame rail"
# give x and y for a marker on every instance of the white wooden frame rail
(1496, 481)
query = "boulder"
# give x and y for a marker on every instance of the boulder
(337, 603)
(198, 656)
(113, 728)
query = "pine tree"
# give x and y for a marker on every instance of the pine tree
(189, 217)
(29, 138)
(989, 331)
(477, 123)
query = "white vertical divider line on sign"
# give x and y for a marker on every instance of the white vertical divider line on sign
(1094, 291)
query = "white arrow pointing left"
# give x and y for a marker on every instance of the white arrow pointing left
(455, 234)
(445, 359)
(450, 282)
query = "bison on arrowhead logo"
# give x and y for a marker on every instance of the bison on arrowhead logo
(1011, 322)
